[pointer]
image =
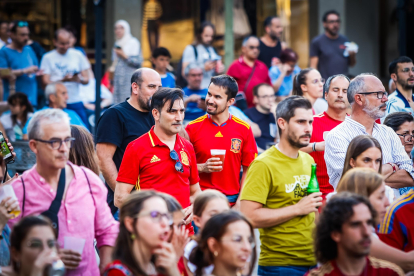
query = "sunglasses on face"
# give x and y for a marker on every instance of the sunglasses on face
(254, 47)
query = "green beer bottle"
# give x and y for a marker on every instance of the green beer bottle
(313, 186)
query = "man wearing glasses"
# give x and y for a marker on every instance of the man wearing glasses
(78, 192)
(262, 114)
(161, 159)
(248, 71)
(402, 73)
(368, 98)
(328, 51)
(19, 65)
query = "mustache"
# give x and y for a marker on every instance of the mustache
(305, 136)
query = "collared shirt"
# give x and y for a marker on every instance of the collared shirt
(78, 215)
(339, 138)
(236, 137)
(397, 103)
(240, 71)
(148, 165)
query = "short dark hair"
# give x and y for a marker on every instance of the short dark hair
(15, 23)
(161, 51)
(227, 82)
(396, 119)
(326, 14)
(268, 21)
(257, 87)
(328, 82)
(137, 78)
(337, 211)
(286, 108)
(164, 95)
(392, 68)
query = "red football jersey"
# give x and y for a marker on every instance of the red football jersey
(374, 267)
(148, 165)
(236, 137)
(322, 123)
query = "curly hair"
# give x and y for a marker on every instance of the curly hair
(337, 211)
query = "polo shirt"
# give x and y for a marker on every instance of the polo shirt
(147, 165)
(397, 103)
(240, 71)
(397, 227)
(236, 137)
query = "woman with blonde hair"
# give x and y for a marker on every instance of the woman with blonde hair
(369, 183)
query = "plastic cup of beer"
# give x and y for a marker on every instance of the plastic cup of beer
(7, 191)
(219, 154)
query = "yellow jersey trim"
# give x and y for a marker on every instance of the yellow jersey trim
(202, 118)
(390, 213)
(152, 141)
(239, 121)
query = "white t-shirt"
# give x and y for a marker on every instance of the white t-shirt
(187, 251)
(58, 66)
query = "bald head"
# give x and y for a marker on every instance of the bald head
(62, 41)
(366, 82)
(144, 83)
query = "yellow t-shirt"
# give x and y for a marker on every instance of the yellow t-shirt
(277, 181)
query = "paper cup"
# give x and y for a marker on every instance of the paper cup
(75, 244)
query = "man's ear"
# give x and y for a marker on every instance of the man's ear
(156, 114)
(231, 102)
(32, 146)
(336, 236)
(394, 77)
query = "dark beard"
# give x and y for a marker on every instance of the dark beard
(331, 32)
(296, 144)
(218, 111)
(405, 85)
(145, 105)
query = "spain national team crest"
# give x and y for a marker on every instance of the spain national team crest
(184, 158)
(235, 145)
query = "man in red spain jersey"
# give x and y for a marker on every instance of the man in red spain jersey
(343, 239)
(219, 130)
(161, 159)
(335, 90)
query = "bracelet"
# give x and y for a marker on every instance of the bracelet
(394, 169)
(314, 146)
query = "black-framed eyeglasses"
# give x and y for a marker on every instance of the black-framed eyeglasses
(21, 24)
(380, 94)
(406, 137)
(333, 21)
(254, 47)
(57, 143)
(157, 216)
(178, 165)
(407, 69)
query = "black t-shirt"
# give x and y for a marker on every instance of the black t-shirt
(120, 125)
(267, 125)
(268, 53)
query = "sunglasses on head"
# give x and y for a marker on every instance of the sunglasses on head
(22, 24)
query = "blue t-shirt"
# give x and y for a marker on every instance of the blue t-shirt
(73, 116)
(168, 80)
(192, 111)
(15, 60)
(287, 84)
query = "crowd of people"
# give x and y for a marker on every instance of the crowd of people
(190, 173)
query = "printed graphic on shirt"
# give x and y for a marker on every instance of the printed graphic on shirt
(235, 145)
(299, 186)
(155, 159)
(184, 158)
(218, 134)
(63, 68)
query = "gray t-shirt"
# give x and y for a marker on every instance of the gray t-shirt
(203, 54)
(331, 55)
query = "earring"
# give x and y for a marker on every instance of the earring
(133, 237)
(215, 253)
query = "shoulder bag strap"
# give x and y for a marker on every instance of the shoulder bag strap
(249, 79)
(90, 188)
(195, 52)
(24, 197)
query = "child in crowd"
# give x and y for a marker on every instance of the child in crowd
(206, 205)
(161, 60)
(20, 112)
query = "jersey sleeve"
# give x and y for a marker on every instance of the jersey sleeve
(194, 177)
(390, 231)
(257, 183)
(129, 169)
(249, 151)
(189, 130)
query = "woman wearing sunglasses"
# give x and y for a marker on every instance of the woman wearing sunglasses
(227, 242)
(403, 125)
(33, 248)
(143, 246)
(309, 83)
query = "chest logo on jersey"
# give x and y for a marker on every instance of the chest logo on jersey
(235, 145)
(184, 158)
(155, 159)
(218, 134)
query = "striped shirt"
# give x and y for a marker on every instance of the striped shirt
(397, 103)
(338, 139)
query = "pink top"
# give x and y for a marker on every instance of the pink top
(78, 216)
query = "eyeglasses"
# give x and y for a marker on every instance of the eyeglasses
(178, 166)
(315, 81)
(237, 239)
(157, 216)
(254, 47)
(406, 137)
(406, 70)
(22, 24)
(380, 94)
(57, 143)
(267, 97)
(333, 21)
(38, 244)
(195, 75)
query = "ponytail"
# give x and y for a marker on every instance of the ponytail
(300, 79)
(201, 258)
